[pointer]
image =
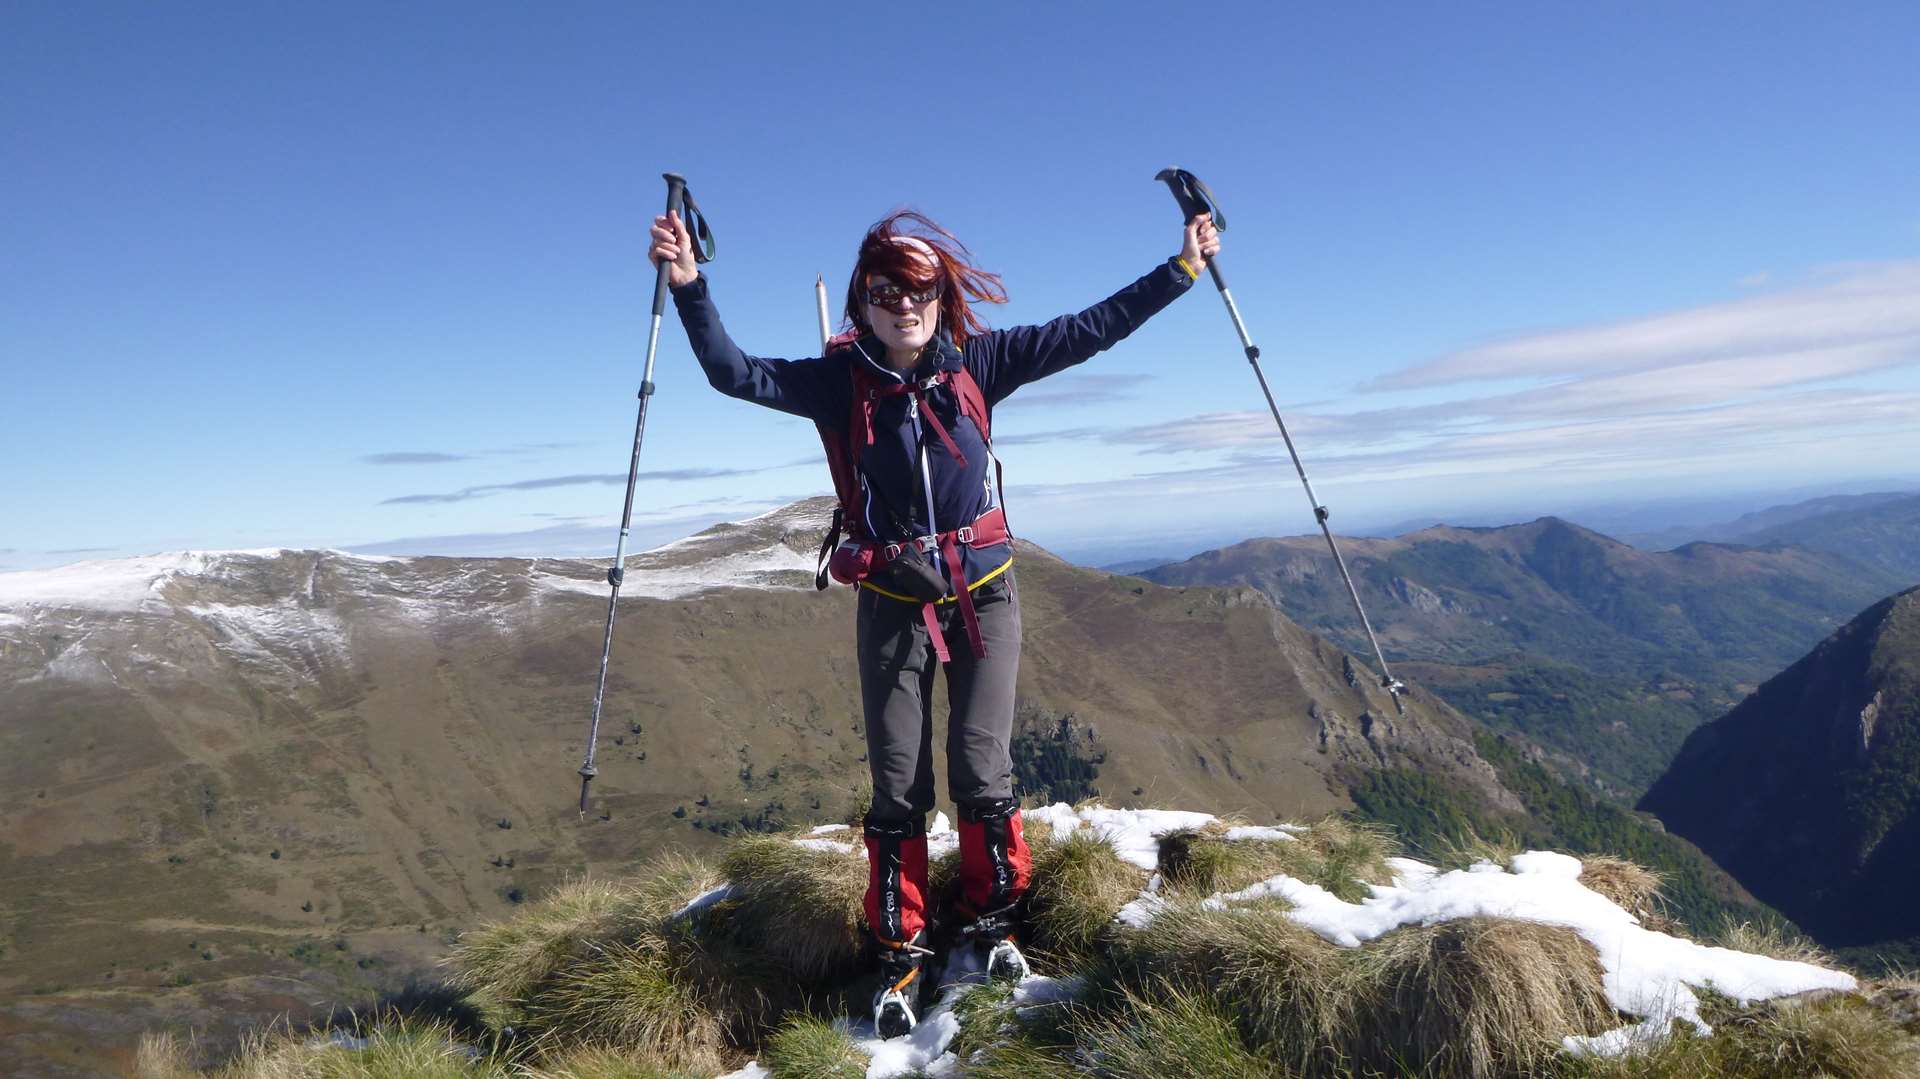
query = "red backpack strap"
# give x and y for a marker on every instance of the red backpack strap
(973, 404)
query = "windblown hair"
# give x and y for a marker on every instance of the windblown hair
(894, 247)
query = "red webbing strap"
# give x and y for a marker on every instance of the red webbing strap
(933, 421)
(939, 642)
(918, 390)
(957, 572)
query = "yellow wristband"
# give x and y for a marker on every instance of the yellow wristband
(1192, 274)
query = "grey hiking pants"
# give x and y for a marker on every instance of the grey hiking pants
(896, 690)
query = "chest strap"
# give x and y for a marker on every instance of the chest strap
(918, 388)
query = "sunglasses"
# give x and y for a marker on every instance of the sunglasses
(889, 295)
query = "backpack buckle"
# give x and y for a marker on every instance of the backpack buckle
(893, 551)
(965, 535)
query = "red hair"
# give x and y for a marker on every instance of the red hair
(893, 247)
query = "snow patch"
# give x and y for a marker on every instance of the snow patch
(1648, 974)
(764, 568)
(1134, 834)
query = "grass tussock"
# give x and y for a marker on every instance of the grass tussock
(1471, 849)
(1175, 1033)
(1026, 1058)
(1337, 854)
(809, 1048)
(1633, 888)
(1079, 884)
(807, 898)
(633, 995)
(1283, 980)
(1477, 997)
(603, 1062)
(1837, 1037)
(161, 1055)
(397, 1050)
(986, 1017)
(503, 962)
(1774, 940)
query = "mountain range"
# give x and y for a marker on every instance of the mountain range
(1605, 652)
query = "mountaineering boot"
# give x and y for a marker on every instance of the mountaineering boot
(896, 909)
(995, 869)
(895, 1003)
(993, 936)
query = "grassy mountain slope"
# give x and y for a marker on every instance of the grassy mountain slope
(223, 771)
(1809, 791)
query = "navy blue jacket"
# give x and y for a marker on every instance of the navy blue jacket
(901, 499)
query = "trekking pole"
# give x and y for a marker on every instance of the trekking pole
(679, 201)
(1195, 199)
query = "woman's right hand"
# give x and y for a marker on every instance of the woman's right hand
(673, 246)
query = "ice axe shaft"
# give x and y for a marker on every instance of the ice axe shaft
(1195, 199)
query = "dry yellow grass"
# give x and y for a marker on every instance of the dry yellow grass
(1774, 940)
(1478, 997)
(606, 1062)
(1079, 884)
(806, 898)
(1634, 889)
(506, 959)
(161, 1055)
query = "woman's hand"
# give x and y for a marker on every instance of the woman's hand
(673, 246)
(1202, 242)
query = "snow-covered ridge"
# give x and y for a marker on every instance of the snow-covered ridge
(747, 554)
(124, 584)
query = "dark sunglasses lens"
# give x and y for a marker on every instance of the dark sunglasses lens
(889, 295)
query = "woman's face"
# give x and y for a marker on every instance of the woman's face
(903, 316)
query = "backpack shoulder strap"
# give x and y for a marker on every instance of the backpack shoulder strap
(973, 404)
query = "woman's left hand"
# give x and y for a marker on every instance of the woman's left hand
(1202, 242)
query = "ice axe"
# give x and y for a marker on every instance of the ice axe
(1195, 199)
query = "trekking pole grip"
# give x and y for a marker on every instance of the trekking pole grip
(676, 198)
(1195, 199)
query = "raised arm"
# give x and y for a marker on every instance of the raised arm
(797, 387)
(1005, 360)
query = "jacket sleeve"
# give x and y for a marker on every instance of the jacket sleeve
(797, 387)
(1005, 360)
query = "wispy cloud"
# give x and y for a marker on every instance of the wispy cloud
(585, 538)
(80, 550)
(1788, 378)
(1074, 391)
(1873, 309)
(1067, 434)
(409, 458)
(605, 479)
(441, 457)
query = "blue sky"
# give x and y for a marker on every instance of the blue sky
(269, 274)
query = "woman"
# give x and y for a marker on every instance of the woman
(904, 409)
